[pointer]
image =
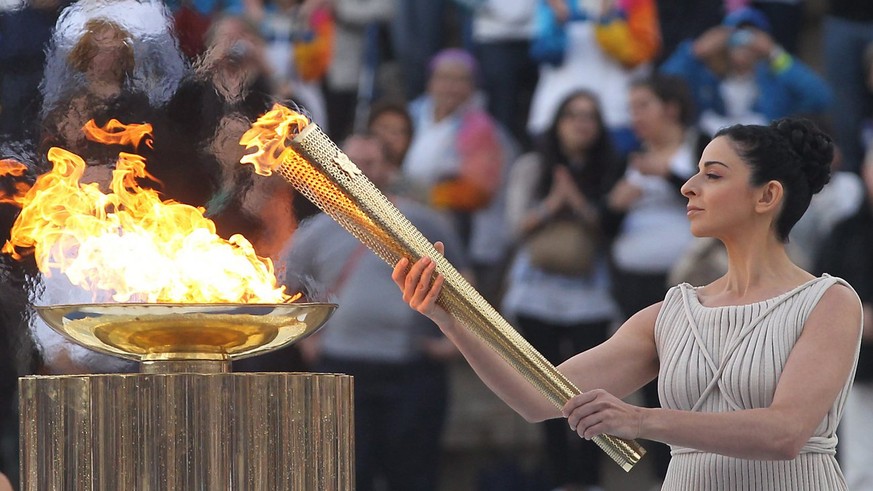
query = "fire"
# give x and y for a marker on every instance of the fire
(268, 135)
(128, 242)
(117, 133)
(12, 168)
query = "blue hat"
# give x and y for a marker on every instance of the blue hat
(747, 16)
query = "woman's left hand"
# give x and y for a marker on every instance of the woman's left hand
(597, 412)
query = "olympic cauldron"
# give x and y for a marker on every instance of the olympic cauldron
(185, 421)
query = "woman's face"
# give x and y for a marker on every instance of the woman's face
(577, 124)
(450, 85)
(720, 196)
(649, 114)
(394, 131)
(107, 65)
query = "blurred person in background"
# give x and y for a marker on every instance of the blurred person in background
(390, 122)
(459, 159)
(192, 20)
(396, 355)
(228, 89)
(298, 40)
(598, 45)
(739, 74)
(106, 61)
(501, 35)
(354, 68)
(846, 33)
(418, 32)
(847, 253)
(563, 311)
(652, 233)
(685, 19)
(24, 34)
(786, 20)
(102, 60)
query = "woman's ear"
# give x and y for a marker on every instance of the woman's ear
(770, 197)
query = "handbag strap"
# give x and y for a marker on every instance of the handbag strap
(348, 267)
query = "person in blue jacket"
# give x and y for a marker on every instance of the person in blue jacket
(739, 74)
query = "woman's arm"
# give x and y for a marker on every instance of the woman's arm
(599, 367)
(815, 373)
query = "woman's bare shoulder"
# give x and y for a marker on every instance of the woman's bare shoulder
(839, 310)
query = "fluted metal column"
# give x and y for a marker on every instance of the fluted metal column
(187, 431)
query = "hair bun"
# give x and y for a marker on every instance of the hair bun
(814, 149)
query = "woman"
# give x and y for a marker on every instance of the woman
(752, 397)
(458, 157)
(391, 123)
(103, 59)
(563, 184)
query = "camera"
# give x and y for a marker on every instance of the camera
(741, 37)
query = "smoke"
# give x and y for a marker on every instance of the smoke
(59, 353)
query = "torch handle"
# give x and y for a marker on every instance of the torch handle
(518, 352)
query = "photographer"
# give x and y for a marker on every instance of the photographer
(739, 74)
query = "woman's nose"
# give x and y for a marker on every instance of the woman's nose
(687, 189)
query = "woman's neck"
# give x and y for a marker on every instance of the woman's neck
(576, 156)
(758, 269)
(441, 112)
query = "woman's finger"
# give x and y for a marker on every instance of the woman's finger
(399, 273)
(414, 275)
(423, 288)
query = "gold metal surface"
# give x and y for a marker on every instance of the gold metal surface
(325, 175)
(186, 422)
(205, 432)
(167, 332)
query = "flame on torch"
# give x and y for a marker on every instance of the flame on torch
(268, 136)
(129, 242)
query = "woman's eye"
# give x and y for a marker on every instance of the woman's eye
(713, 176)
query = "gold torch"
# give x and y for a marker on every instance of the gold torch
(319, 170)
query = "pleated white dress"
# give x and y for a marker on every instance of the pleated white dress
(718, 359)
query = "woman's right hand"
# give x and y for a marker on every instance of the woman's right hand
(418, 290)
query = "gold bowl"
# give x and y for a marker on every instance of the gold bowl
(185, 331)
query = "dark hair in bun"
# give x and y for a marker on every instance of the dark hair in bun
(792, 151)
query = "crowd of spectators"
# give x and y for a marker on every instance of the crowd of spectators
(491, 121)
